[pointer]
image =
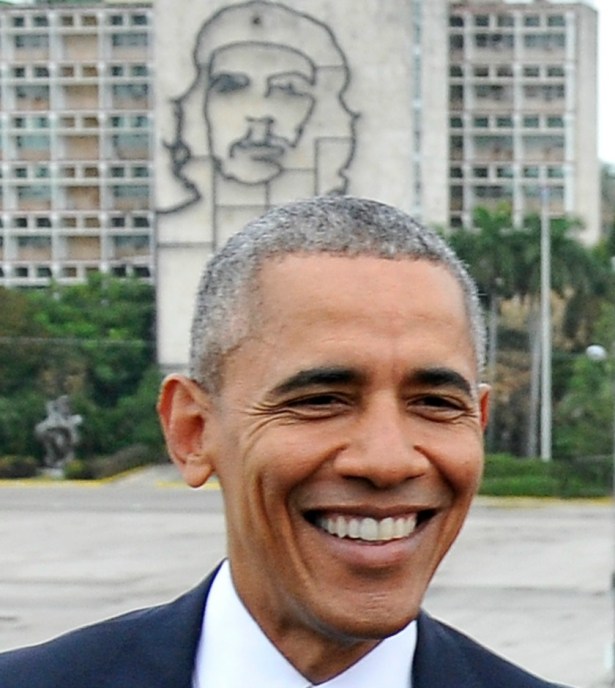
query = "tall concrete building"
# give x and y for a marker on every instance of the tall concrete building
(522, 96)
(75, 142)
(453, 105)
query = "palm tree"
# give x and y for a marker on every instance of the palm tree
(486, 247)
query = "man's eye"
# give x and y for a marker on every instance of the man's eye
(290, 85)
(317, 404)
(228, 83)
(315, 400)
(438, 406)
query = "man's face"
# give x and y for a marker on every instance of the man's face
(348, 441)
(259, 98)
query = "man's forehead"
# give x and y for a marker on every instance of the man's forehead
(250, 56)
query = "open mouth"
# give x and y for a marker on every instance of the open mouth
(369, 529)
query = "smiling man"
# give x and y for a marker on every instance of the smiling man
(334, 390)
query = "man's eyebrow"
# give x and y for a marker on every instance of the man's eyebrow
(316, 377)
(441, 377)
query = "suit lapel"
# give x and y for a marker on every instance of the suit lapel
(438, 661)
(169, 647)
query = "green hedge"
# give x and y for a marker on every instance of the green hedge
(108, 466)
(507, 475)
(18, 467)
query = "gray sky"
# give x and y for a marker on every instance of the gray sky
(606, 79)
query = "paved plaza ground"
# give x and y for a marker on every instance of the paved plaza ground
(528, 578)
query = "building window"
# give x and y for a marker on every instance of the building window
(494, 41)
(455, 71)
(139, 191)
(134, 243)
(531, 121)
(456, 92)
(531, 71)
(40, 20)
(481, 20)
(138, 70)
(556, 20)
(505, 172)
(139, 121)
(34, 142)
(557, 72)
(555, 172)
(504, 71)
(480, 172)
(481, 122)
(456, 122)
(545, 41)
(531, 20)
(531, 172)
(555, 122)
(505, 20)
(481, 71)
(31, 41)
(493, 92)
(455, 20)
(129, 40)
(140, 221)
(504, 122)
(39, 192)
(32, 92)
(138, 19)
(456, 42)
(130, 91)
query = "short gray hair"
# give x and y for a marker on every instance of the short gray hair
(332, 225)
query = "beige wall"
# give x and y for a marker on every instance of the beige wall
(378, 39)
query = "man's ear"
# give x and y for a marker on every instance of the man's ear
(484, 394)
(184, 410)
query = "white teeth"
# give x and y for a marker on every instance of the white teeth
(369, 529)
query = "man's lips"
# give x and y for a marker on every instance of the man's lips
(369, 528)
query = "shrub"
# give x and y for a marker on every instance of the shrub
(507, 475)
(18, 467)
(108, 466)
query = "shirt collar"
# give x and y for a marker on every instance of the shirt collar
(233, 652)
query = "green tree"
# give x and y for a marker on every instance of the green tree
(585, 414)
(92, 341)
(102, 334)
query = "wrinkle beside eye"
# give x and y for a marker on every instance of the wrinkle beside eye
(312, 406)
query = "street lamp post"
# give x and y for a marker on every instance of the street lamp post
(545, 329)
(596, 352)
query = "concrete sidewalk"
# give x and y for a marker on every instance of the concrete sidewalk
(530, 579)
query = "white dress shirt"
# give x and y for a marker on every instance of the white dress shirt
(233, 652)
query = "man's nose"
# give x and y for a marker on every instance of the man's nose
(260, 128)
(382, 448)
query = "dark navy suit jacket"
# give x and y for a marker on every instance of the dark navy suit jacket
(156, 647)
